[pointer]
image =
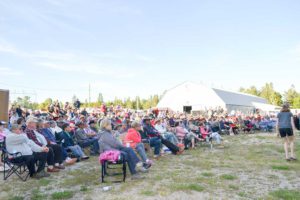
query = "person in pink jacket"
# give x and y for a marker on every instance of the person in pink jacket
(133, 139)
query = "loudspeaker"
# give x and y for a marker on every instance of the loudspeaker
(4, 100)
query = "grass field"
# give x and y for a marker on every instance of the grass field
(249, 167)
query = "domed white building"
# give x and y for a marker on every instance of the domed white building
(190, 96)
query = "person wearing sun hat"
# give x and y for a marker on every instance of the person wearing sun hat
(285, 128)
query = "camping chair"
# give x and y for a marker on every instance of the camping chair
(18, 168)
(109, 165)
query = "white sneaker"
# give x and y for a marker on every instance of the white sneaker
(139, 164)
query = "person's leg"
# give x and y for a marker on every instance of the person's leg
(130, 164)
(156, 143)
(216, 137)
(30, 164)
(41, 157)
(141, 151)
(291, 142)
(95, 146)
(75, 151)
(50, 158)
(173, 148)
(29, 161)
(285, 145)
(58, 153)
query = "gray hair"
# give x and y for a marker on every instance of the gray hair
(31, 119)
(14, 127)
(135, 124)
(105, 123)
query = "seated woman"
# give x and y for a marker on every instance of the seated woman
(165, 132)
(30, 152)
(134, 140)
(204, 131)
(108, 142)
(184, 135)
(68, 143)
(215, 128)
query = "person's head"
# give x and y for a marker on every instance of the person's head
(15, 128)
(80, 124)
(92, 123)
(52, 124)
(20, 121)
(66, 127)
(2, 124)
(146, 120)
(106, 124)
(136, 125)
(46, 124)
(31, 123)
(285, 107)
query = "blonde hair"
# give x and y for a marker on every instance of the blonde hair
(105, 124)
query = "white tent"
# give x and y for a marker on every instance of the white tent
(190, 94)
(199, 97)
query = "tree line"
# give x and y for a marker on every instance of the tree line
(267, 91)
(136, 103)
(273, 97)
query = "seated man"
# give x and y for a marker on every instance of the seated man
(168, 135)
(84, 140)
(51, 142)
(134, 140)
(68, 143)
(156, 139)
(31, 152)
(40, 140)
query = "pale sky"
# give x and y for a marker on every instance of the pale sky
(56, 48)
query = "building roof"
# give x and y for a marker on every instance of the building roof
(238, 98)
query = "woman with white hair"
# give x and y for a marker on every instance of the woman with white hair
(108, 142)
(30, 152)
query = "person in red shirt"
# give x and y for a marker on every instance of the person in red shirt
(133, 139)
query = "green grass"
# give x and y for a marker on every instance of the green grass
(37, 195)
(44, 182)
(187, 187)
(242, 194)
(207, 174)
(233, 187)
(286, 194)
(280, 167)
(228, 177)
(16, 198)
(148, 193)
(83, 189)
(62, 195)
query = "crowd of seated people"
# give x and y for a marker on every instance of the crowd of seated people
(67, 134)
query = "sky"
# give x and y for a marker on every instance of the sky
(129, 48)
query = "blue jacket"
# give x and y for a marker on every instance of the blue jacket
(150, 131)
(48, 135)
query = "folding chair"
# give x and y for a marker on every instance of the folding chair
(108, 165)
(18, 168)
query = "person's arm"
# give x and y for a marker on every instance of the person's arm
(293, 123)
(111, 141)
(34, 147)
